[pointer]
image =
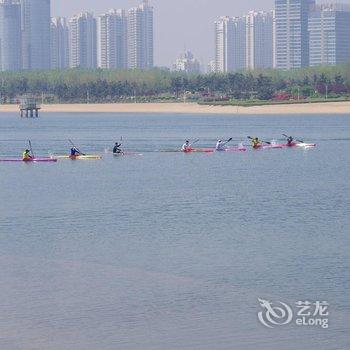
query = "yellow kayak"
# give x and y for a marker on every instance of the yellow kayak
(81, 157)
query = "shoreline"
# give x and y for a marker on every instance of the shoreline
(192, 108)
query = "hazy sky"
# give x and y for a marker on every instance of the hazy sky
(178, 23)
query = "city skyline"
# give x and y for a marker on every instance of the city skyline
(169, 43)
(124, 38)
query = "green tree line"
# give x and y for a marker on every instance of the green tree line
(77, 85)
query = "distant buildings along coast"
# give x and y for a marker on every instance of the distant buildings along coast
(298, 33)
(31, 40)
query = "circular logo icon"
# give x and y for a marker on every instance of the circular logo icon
(274, 315)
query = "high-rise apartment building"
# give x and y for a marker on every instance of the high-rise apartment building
(112, 40)
(140, 36)
(59, 43)
(292, 38)
(239, 43)
(329, 31)
(36, 34)
(83, 41)
(10, 35)
(224, 44)
(259, 48)
(230, 44)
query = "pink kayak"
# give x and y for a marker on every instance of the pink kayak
(199, 150)
(300, 144)
(272, 146)
(233, 149)
(33, 160)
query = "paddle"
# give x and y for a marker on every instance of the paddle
(31, 149)
(83, 154)
(288, 137)
(229, 140)
(251, 138)
(190, 145)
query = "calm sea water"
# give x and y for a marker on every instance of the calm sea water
(167, 250)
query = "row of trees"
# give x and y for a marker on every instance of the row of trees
(108, 86)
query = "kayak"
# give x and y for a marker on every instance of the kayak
(81, 157)
(33, 160)
(233, 149)
(306, 145)
(300, 144)
(272, 146)
(199, 150)
(123, 154)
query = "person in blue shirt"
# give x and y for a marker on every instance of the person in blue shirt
(74, 152)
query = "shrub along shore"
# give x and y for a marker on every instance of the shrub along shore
(161, 85)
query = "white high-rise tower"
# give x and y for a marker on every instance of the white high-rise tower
(59, 43)
(36, 34)
(112, 40)
(140, 36)
(230, 44)
(83, 41)
(259, 40)
(291, 33)
(10, 36)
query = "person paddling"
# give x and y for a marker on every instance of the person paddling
(290, 141)
(74, 152)
(117, 149)
(256, 143)
(220, 145)
(27, 155)
(186, 147)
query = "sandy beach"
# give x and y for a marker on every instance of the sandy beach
(192, 108)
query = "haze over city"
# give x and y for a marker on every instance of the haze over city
(178, 24)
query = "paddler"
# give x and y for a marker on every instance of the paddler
(220, 146)
(74, 152)
(186, 147)
(117, 149)
(27, 155)
(256, 143)
(290, 141)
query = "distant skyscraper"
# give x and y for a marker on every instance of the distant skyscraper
(112, 40)
(10, 36)
(187, 63)
(259, 40)
(140, 37)
(230, 44)
(239, 43)
(224, 45)
(59, 43)
(292, 39)
(36, 34)
(83, 41)
(329, 31)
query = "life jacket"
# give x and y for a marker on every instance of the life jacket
(256, 143)
(26, 155)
